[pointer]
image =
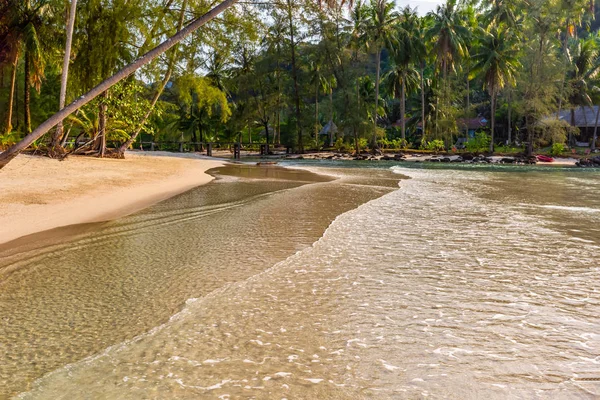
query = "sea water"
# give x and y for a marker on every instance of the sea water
(459, 284)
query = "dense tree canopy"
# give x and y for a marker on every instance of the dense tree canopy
(278, 72)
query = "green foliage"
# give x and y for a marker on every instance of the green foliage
(481, 142)
(557, 149)
(9, 139)
(505, 149)
(552, 130)
(363, 143)
(249, 69)
(394, 143)
(339, 145)
(435, 145)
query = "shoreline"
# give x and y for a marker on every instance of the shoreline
(183, 248)
(39, 194)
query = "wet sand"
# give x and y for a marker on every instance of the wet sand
(71, 294)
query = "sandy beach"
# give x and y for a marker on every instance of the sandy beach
(38, 193)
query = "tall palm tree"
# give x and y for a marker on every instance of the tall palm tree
(23, 20)
(449, 34)
(420, 50)
(404, 76)
(585, 66)
(217, 70)
(56, 138)
(319, 82)
(124, 72)
(496, 62)
(382, 34)
(359, 17)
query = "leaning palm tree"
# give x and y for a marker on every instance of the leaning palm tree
(381, 34)
(496, 62)
(126, 71)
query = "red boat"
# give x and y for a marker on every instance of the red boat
(545, 159)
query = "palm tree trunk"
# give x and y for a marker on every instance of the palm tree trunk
(422, 103)
(267, 136)
(564, 75)
(468, 113)
(493, 120)
(330, 116)
(14, 150)
(509, 117)
(195, 138)
(27, 94)
(64, 76)
(159, 90)
(403, 107)
(317, 115)
(101, 142)
(376, 99)
(595, 137)
(201, 132)
(11, 95)
(295, 77)
(570, 139)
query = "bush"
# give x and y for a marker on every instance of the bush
(557, 149)
(339, 145)
(363, 143)
(435, 145)
(481, 142)
(400, 144)
(9, 139)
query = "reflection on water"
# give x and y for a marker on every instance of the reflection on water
(109, 282)
(458, 285)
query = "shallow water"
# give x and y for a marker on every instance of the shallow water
(73, 292)
(461, 284)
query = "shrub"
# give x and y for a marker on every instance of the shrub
(339, 145)
(481, 142)
(363, 143)
(557, 149)
(9, 139)
(399, 144)
(436, 145)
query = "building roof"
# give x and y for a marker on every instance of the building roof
(471, 123)
(330, 126)
(584, 117)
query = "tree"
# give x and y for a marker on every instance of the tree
(23, 20)
(381, 34)
(497, 63)
(14, 150)
(449, 33)
(199, 101)
(173, 53)
(585, 66)
(55, 145)
(404, 76)
(319, 82)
